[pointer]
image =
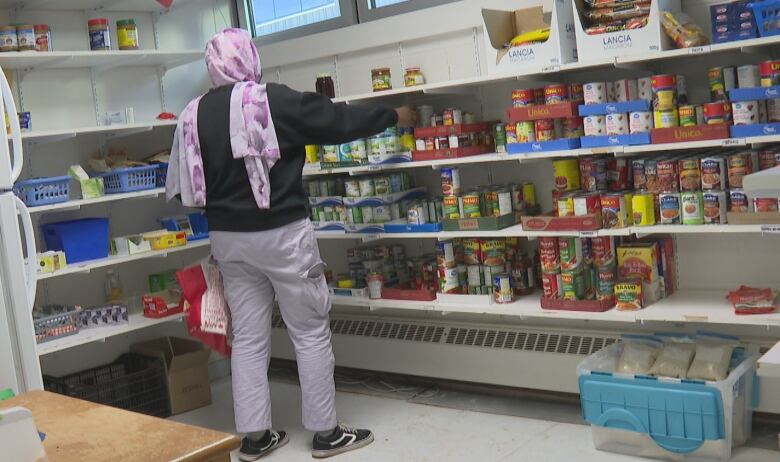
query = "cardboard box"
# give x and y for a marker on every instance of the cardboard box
(594, 306)
(480, 224)
(753, 218)
(686, 134)
(648, 39)
(130, 245)
(163, 304)
(186, 364)
(590, 222)
(543, 112)
(502, 26)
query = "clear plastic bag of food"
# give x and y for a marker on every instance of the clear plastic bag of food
(675, 357)
(620, 12)
(617, 26)
(611, 3)
(682, 30)
(639, 354)
(713, 356)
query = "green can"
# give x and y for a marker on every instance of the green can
(327, 214)
(692, 204)
(573, 284)
(316, 211)
(472, 205)
(499, 133)
(354, 215)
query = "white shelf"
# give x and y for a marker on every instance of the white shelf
(32, 60)
(769, 364)
(87, 266)
(50, 136)
(97, 334)
(77, 204)
(694, 306)
(132, 6)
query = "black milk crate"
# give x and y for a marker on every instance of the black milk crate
(133, 382)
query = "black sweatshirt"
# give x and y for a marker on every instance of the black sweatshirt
(300, 119)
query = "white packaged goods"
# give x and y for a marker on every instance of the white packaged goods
(638, 355)
(713, 356)
(675, 358)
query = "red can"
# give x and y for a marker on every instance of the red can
(765, 204)
(593, 173)
(770, 73)
(544, 129)
(557, 93)
(556, 194)
(551, 286)
(576, 93)
(603, 248)
(767, 159)
(715, 113)
(573, 127)
(539, 95)
(549, 254)
(618, 175)
(664, 88)
(522, 98)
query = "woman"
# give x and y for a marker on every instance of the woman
(239, 153)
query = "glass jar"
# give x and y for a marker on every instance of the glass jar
(25, 36)
(127, 34)
(380, 79)
(413, 77)
(8, 40)
(523, 280)
(43, 38)
(99, 35)
(325, 86)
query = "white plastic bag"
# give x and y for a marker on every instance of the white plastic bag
(639, 353)
(713, 356)
(675, 357)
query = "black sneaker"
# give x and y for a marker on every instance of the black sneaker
(343, 439)
(253, 450)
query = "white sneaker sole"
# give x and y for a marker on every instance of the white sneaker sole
(324, 454)
(252, 458)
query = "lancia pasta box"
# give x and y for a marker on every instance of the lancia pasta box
(537, 37)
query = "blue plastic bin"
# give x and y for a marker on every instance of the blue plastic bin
(43, 191)
(125, 180)
(767, 15)
(162, 174)
(198, 224)
(81, 240)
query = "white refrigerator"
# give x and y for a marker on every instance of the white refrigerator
(19, 366)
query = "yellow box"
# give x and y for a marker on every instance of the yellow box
(161, 240)
(638, 260)
(50, 262)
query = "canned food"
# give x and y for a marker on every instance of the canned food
(687, 115)
(450, 181)
(745, 112)
(595, 93)
(587, 204)
(765, 204)
(670, 208)
(493, 252)
(617, 124)
(330, 154)
(504, 197)
(722, 80)
(430, 144)
(523, 280)
(593, 173)
(628, 295)
(640, 122)
(472, 251)
(441, 142)
(549, 255)
(529, 194)
(475, 276)
(591, 282)
(666, 118)
(539, 95)
(737, 169)
(552, 287)
(715, 113)
(502, 289)
(738, 201)
(358, 151)
(603, 250)
(605, 289)
(714, 207)
(354, 215)
(576, 93)
(768, 159)
(570, 249)
(312, 154)
(664, 92)
(518, 202)
(489, 202)
(618, 174)
(525, 131)
(567, 174)
(382, 185)
(352, 188)
(572, 127)
(667, 177)
(643, 206)
(544, 130)
(499, 134)
(773, 110)
(557, 93)
(451, 208)
(573, 285)
(748, 76)
(692, 208)
(368, 214)
(613, 211)
(713, 171)
(472, 205)
(690, 174)
(770, 73)
(523, 98)
(587, 251)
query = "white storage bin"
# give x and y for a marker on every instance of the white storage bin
(662, 418)
(501, 26)
(648, 39)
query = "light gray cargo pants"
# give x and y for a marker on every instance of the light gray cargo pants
(284, 261)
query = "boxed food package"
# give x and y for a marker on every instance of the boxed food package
(163, 304)
(164, 239)
(733, 21)
(638, 260)
(186, 362)
(129, 245)
(49, 262)
(535, 37)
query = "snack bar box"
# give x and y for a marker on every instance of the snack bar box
(502, 26)
(648, 39)
(665, 418)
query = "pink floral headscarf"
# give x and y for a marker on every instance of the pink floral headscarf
(231, 58)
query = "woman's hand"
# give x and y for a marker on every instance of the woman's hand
(407, 116)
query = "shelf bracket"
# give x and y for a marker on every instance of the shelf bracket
(117, 62)
(50, 139)
(124, 133)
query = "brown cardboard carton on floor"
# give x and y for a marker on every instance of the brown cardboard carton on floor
(186, 363)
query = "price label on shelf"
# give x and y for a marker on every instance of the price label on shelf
(698, 50)
(588, 233)
(553, 68)
(374, 168)
(772, 229)
(734, 142)
(370, 237)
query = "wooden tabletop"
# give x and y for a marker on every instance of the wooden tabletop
(80, 431)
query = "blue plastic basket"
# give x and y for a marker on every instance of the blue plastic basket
(162, 173)
(198, 224)
(81, 240)
(43, 191)
(767, 14)
(125, 180)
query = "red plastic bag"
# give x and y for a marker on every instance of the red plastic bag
(193, 285)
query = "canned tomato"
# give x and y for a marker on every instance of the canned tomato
(770, 73)
(529, 194)
(549, 254)
(502, 289)
(737, 165)
(595, 93)
(557, 93)
(666, 118)
(551, 286)
(523, 98)
(472, 205)
(745, 112)
(692, 208)
(690, 174)
(576, 93)
(572, 127)
(595, 125)
(687, 116)
(765, 204)
(715, 113)
(605, 288)
(451, 208)
(722, 80)
(664, 92)
(640, 122)
(570, 249)
(617, 124)
(713, 173)
(586, 204)
(567, 174)
(450, 181)
(738, 201)
(493, 252)
(544, 130)
(603, 249)
(714, 207)
(670, 208)
(643, 207)
(566, 206)
(613, 211)
(573, 285)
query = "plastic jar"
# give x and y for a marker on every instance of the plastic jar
(43, 38)
(25, 36)
(380, 79)
(127, 34)
(99, 35)
(8, 39)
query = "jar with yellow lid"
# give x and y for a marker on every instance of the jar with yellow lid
(127, 34)
(413, 76)
(380, 79)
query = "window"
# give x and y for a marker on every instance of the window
(369, 10)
